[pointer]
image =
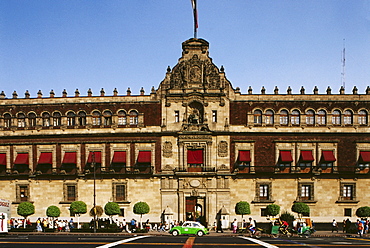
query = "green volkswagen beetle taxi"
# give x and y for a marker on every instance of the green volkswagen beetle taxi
(189, 228)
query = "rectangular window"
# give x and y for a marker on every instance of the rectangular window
(214, 115)
(305, 191)
(119, 192)
(347, 192)
(70, 192)
(348, 212)
(122, 212)
(22, 193)
(177, 116)
(264, 192)
(263, 212)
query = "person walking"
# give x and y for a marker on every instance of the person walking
(334, 226)
(235, 225)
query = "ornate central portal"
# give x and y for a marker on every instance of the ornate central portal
(195, 208)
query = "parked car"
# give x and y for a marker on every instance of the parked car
(189, 228)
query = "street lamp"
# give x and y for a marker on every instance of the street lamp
(93, 166)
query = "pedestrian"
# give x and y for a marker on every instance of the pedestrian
(219, 226)
(334, 226)
(344, 225)
(360, 228)
(38, 225)
(235, 225)
(348, 225)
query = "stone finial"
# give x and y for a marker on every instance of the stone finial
(341, 90)
(2, 95)
(77, 93)
(52, 94)
(89, 92)
(115, 92)
(15, 95)
(315, 90)
(102, 92)
(263, 90)
(27, 94)
(153, 90)
(276, 90)
(367, 90)
(64, 93)
(302, 90)
(237, 90)
(39, 94)
(128, 91)
(142, 91)
(168, 69)
(222, 69)
(289, 90)
(355, 90)
(328, 90)
(250, 91)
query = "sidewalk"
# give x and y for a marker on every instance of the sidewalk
(156, 233)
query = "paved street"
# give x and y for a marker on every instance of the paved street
(227, 239)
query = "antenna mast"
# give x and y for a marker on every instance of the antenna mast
(344, 65)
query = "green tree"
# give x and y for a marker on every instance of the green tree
(272, 209)
(99, 211)
(25, 209)
(301, 208)
(53, 212)
(77, 208)
(111, 208)
(363, 212)
(288, 217)
(141, 208)
(242, 208)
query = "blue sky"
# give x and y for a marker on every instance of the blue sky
(69, 44)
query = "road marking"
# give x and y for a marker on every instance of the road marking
(260, 242)
(121, 242)
(360, 239)
(189, 242)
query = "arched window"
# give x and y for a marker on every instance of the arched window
(321, 117)
(57, 119)
(133, 117)
(347, 119)
(32, 119)
(283, 117)
(362, 117)
(71, 118)
(295, 118)
(122, 119)
(310, 117)
(336, 117)
(96, 118)
(269, 117)
(257, 116)
(7, 120)
(45, 119)
(21, 120)
(107, 118)
(82, 118)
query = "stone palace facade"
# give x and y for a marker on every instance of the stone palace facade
(192, 148)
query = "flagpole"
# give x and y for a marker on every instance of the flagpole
(195, 14)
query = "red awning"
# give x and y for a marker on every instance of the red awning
(328, 156)
(307, 156)
(22, 158)
(119, 157)
(70, 158)
(144, 157)
(46, 158)
(244, 156)
(365, 156)
(97, 158)
(286, 156)
(195, 156)
(2, 158)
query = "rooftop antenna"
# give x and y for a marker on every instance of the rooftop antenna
(344, 64)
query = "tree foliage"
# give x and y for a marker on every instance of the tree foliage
(301, 208)
(288, 217)
(363, 212)
(242, 208)
(25, 209)
(99, 211)
(112, 208)
(141, 208)
(272, 209)
(53, 211)
(78, 207)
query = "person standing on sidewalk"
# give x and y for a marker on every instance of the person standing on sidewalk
(334, 226)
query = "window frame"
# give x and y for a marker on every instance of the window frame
(115, 192)
(257, 117)
(362, 117)
(66, 192)
(310, 117)
(269, 117)
(306, 192)
(336, 117)
(284, 117)
(266, 188)
(19, 191)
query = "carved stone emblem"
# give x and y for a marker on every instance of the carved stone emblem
(222, 149)
(167, 149)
